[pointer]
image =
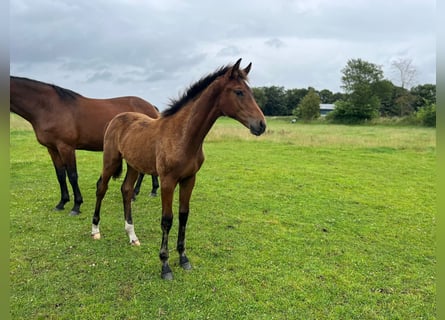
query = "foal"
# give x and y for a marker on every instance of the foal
(171, 147)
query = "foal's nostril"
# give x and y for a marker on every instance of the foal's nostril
(258, 128)
(262, 126)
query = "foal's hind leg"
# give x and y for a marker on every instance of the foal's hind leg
(101, 189)
(127, 190)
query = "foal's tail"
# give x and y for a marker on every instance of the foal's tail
(118, 172)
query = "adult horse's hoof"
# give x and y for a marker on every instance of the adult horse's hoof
(166, 272)
(185, 263)
(74, 213)
(59, 207)
(95, 236)
(153, 194)
(167, 276)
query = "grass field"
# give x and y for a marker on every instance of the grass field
(304, 222)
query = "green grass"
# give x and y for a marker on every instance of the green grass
(304, 222)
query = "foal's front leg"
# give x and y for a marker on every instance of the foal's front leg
(185, 193)
(167, 190)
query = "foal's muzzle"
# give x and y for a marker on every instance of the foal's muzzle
(258, 128)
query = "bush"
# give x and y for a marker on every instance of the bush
(346, 112)
(427, 115)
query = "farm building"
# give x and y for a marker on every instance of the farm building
(325, 108)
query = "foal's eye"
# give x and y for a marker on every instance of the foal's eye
(239, 93)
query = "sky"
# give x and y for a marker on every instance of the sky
(156, 49)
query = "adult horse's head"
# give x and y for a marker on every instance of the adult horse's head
(237, 101)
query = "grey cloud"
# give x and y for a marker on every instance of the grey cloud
(275, 43)
(229, 51)
(167, 44)
(104, 75)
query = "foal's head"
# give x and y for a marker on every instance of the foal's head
(237, 101)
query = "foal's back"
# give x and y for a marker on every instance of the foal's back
(135, 137)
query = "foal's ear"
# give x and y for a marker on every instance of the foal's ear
(234, 73)
(247, 69)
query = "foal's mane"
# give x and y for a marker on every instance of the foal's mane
(64, 94)
(195, 89)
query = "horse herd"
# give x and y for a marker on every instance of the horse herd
(165, 144)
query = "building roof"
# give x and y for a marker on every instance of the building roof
(327, 106)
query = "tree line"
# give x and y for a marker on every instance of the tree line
(367, 95)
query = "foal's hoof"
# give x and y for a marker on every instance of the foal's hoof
(136, 243)
(95, 236)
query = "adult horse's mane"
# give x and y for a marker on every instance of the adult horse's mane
(61, 92)
(194, 90)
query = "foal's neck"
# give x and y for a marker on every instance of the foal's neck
(201, 115)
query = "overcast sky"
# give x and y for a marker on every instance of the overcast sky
(155, 49)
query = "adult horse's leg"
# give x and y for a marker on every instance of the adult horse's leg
(155, 185)
(185, 192)
(137, 187)
(127, 190)
(61, 178)
(167, 189)
(73, 178)
(68, 155)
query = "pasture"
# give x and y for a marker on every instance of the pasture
(305, 222)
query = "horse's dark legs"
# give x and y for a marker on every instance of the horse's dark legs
(155, 185)
(78, 200)
(137, 187)
(127, 190)
(167, 190)
(64, 158)
(185, 192)
(61, 178)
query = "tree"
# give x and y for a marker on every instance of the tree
(293, 98)
(384, 90)
(424, 95)
(276, 101)
(427, 115)
(309, 107)
(405, 72)
(361, 102)
(326, 96)
(260, 97)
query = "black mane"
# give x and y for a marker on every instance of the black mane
(193, 91)
(64, 94)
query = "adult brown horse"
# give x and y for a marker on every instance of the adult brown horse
(171, 147)
(64, 121)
